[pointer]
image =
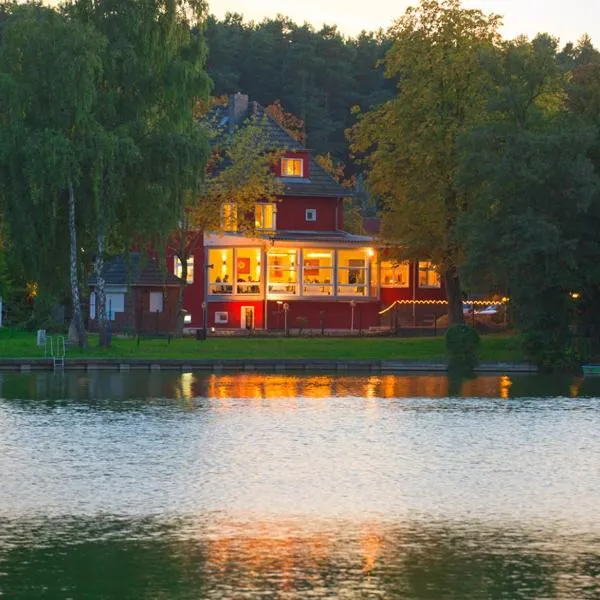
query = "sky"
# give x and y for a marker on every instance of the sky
(565, 20)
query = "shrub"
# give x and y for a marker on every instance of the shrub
(462, 343)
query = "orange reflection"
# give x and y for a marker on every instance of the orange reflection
(371, 543)
(290, 548)
(505, 384)
(575, 387)
(287, 389)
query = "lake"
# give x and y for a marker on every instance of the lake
(165, 485)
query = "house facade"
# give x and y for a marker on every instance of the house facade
(140, 296)
(300, 269)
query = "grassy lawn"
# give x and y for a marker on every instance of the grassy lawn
(493, 348)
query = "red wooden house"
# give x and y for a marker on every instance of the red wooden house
(301, 269)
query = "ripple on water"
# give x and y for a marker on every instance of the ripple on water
(297, 487)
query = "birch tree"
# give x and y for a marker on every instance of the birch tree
(49, 74)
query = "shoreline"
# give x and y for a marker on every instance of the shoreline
(241, 365)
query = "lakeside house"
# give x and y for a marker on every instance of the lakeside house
(300, 269)
(301, 266)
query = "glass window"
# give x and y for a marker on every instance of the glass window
(292, 167)
(352, 272)
(190, 269)
(156, 302)
(282, 271)
(428, 275)
(229, 217)
(114, 303)
(265, 216)
(220, 277)
(394, 274)
(248, 271)
(317, 275)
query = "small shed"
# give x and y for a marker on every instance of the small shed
(140, 296)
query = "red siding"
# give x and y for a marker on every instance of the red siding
(234, 310)
(331, 315)
(305, 155)
(291, 214)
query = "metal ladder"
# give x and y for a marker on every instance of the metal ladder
(55, 349)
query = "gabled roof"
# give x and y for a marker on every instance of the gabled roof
(319, 185)
(135, 269)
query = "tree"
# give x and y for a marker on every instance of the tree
(47, 123)
(152, 153)
(410, 142)
(534, 187)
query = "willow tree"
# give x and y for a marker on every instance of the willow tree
(49, 74)
(410, 142)
(153, 155)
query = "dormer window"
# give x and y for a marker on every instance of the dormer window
(292, 167)
(264, 216)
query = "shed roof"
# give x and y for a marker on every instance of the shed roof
(135, 269)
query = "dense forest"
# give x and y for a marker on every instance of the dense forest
(318, 75)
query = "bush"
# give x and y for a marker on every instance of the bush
(462, 343)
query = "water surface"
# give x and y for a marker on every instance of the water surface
(170, 485)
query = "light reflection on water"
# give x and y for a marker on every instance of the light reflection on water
(166, 485)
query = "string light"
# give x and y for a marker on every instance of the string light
(442, 302)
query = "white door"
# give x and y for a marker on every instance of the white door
(247, 317)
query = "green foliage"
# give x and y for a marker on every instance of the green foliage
(462, 343)
(535, 190)
(410, 142)
(317, 75)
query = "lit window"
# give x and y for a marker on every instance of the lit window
(220, 277)
(317, 273)
(428, 275)
(352, 272)
(282, 271)
(190, 269)
(265, 216)
(394, 274)
(292, 167)
(229, 220)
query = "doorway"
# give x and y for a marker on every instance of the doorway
(247, 319)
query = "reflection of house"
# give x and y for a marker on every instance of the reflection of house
(301, 267)
(140, 296)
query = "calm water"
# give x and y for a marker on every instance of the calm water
(190, 486)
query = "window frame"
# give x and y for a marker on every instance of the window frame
(262, 207)
(292, 160)
(229, 223)
(312, 211)
(428, 269)
(178, 268)
(393, 266)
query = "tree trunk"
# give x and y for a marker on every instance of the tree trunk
(103, 333)
(455, 300)
(77, 318)
(178, 329)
